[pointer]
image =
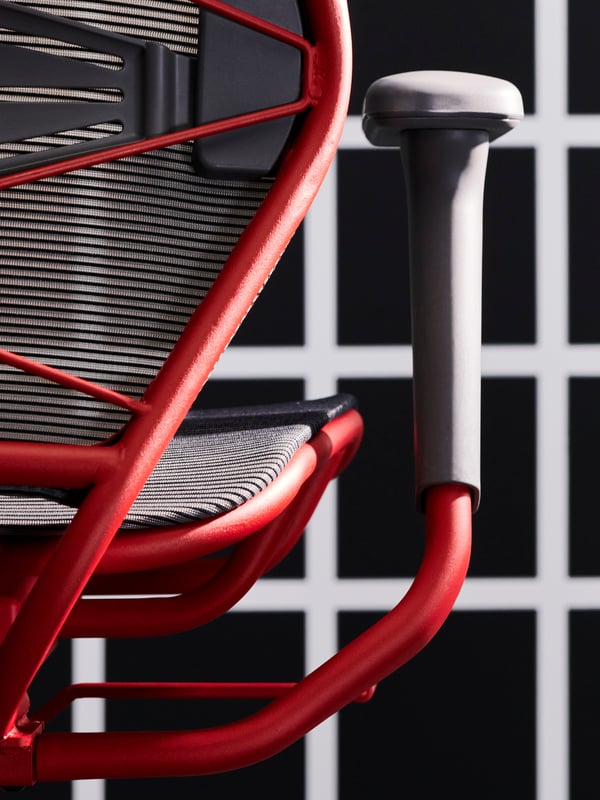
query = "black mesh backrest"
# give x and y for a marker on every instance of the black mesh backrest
(106, 264)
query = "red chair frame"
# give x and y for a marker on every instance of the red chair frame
(43, 579)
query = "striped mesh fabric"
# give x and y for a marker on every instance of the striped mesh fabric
(104, 266)
(100, 271)
(197, 477)
(219, 459)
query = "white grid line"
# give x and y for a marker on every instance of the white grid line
(395, 361)
(320, 260)
(552, 292)
(88, 664)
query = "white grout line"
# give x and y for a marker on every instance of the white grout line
(320, 271)
(320, 275)
(88, 666)
(582, 360)
(88, 659)
(376, 594)
(88, 790)
(552, 417)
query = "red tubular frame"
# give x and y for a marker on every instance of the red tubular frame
(156, 616)
(119, 471)
(43, 579)
(368, 659)
(170, 691)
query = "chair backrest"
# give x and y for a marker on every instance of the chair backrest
(101, 267)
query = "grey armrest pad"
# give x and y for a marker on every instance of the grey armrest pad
(439, 99)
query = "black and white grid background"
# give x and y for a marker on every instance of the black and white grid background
(506, 701)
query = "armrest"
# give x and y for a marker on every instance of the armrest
(443, 123)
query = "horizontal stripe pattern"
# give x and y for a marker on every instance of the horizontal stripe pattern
(100, 271)
(37, 94)
(171, 22)
(57, 48)
(102, 268)
(219, 459)
(197, 477)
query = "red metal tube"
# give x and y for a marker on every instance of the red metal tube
(153, 548)
(263, 690)
(160, 691)
(156, 616)
(160, 547)
(368, 659)
(71, 381)
(62, 465)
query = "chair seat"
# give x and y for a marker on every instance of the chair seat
(218, 459)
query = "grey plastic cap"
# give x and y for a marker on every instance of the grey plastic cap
(439, 99)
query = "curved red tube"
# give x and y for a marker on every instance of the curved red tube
(368, 659)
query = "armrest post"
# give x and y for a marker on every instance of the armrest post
(443, 123)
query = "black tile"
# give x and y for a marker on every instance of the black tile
(277, 317)
(584, 690)
(456, 721)
(224, 392)
(584, 245)
(508, 308)
(58, 790)
(504, 540)
(373, 288)
(262, 780)
(380, 533)
(584, 20)
(495, 38)
(584, 443)
(53, 676)
(240, 646)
